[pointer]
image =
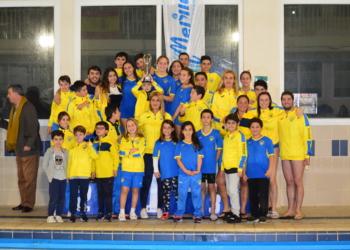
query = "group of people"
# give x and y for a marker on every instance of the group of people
(189, 130)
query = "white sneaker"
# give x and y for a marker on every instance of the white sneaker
(133, 216)
(121, 217)
(51, 219)
(59, 219)
(144, 214)
(159, 213)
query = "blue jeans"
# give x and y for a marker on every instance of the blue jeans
(57, 192)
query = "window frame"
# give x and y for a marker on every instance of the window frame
(56, 16)
(78, 4)
(313, 121)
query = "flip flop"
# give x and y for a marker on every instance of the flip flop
(274, 215)
(287, 216)
(223, 214)
(298, 217)
(213, 217)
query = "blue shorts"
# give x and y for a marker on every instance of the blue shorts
(276, 145)
(130, 179)
(176, 121)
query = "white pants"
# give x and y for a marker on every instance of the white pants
(232, 185)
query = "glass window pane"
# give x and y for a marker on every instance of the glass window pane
(317, 58)
(221, 36)
(27, 55)
(107, 30)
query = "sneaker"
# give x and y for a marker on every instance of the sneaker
(72, 218)
(68, 214)
(252, 219)
(164, 216)
(133, 216)
(121, 217)
(51, 219)
(159, 213)
(262, 219)
(234, 219)
(100, 216)
(177, 219)
(59, 219)
(84, 218)
(109, 217)
(143, 214)
(198, 220)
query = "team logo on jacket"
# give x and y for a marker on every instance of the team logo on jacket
(200, 109)
(70, 138)
(291, 119)
(161, 118)
(137, 142)
(261, 142)
(211, 80)
(270, 115)
(211, 138)
(165, 80)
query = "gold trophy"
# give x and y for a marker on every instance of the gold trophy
(147, 64)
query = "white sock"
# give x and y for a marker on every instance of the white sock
(122, 211)
(132, 210)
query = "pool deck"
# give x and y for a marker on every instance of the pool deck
(319, 224)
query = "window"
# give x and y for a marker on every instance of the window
(107, 30)
(27, 55)
(316, 55)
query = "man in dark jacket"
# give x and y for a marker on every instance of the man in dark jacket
(23, 138)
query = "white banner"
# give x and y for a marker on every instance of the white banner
(184, 30)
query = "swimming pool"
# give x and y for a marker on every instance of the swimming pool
(143, 245)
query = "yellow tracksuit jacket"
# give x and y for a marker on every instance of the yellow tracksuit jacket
(66, 97)
(234, 152)
(193, 113)
(132, 162)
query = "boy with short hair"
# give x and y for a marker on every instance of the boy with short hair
(258, 171)
(233, 159)
(202, 80)
(213, 78)
(115, 134)
(120, 59)
(142, 95)
(84, 117)
(79, 171)
(192, 111)
(212, 148)
(64, 96)
(54, 166)
(105, 169)
(184, 58)
(140, 71)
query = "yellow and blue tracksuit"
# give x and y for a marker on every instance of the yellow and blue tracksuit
(223, 103)
(150, 126)
(65, 98)
(208, 98)
(142, 103)
(189, 157)
(119, 75)
(108, 158)
(295, 137)
(270, 118)
(234, 152)
(85, 117)
(193, 113)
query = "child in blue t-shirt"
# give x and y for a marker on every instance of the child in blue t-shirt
(163, 152)
(189, 158)
(258, 171)
(212, 148)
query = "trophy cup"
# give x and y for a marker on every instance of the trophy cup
(147, 64)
